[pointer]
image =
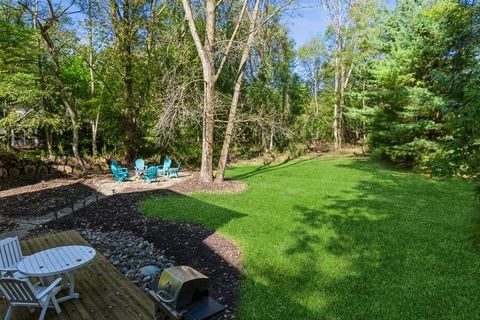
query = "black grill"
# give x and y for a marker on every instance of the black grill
(182, 293)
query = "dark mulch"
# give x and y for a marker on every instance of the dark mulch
(186, 244)
(7, 224)
(42, 197)
(38, 197)
(7, 183)
(193, 184)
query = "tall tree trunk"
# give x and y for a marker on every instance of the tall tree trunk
(232, 116)
(12, 138)
(337, 11)
(130, 116)
(45, 100)
(315, 94)
(364, 105)
(130, 148)
(206, 169)
(44, 29)
(122, 25)
(340, 78)
(272, 134)
(150, 27)
(335, 107)
(206, 55)
(94, 122)
(49, 140)
(70, 107)
(341, 105)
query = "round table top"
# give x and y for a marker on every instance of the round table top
(56, 260)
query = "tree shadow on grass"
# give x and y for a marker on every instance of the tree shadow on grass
(395, 246)
(287, 163)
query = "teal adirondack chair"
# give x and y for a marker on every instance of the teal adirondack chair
(115, 163)
(173, 172)
(151, 174)
(119, 174)
(166, 165)
(140, 166)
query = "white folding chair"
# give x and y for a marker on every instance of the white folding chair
(22, 293)
(10, 257)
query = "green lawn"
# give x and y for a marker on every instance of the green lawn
(344, 238)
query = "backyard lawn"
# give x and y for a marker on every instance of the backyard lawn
(344, 238)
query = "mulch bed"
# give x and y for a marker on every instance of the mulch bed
(193, 184)
(44, 197)
(7, 224)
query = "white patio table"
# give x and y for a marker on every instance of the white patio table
(60, 260)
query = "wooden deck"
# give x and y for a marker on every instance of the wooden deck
(104, 292)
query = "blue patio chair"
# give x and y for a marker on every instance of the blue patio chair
(115, 163)
(151, 174)
(164, 168)
(173, 172)
(119, 174)
(140, 166)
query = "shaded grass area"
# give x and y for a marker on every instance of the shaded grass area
(344, 239)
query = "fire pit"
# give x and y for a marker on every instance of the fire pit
(182, 293)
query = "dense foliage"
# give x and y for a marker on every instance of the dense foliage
(140, 90)
(126, 76)
(413, 92)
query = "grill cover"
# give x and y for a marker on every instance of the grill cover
(180, 286)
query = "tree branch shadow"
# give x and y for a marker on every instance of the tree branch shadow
(400, 246)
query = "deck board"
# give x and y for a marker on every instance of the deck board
(104, 292)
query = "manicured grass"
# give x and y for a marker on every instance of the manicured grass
(344, 238)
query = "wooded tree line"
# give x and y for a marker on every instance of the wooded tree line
(140, 78)
(403, 81)
(205, 81)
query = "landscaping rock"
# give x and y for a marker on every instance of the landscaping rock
(149, 271)
(136, 258)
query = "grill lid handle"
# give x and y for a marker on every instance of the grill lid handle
(160, 295)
